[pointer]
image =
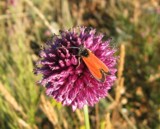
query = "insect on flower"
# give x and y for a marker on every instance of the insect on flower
(97, 68)
(78, 67)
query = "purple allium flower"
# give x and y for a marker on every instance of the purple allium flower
(66, 78)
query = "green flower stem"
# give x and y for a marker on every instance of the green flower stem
(86, 117)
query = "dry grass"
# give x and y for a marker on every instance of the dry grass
(108, 122)
(11, 100)
(26, 24)
(13, 104)
(49, 111)
(41, 16)
(120, 78)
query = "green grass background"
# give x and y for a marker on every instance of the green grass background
(25, 25)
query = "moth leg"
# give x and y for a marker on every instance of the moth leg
(78, 62)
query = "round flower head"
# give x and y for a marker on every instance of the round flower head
(66, 76)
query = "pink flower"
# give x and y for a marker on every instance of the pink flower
(65, 79)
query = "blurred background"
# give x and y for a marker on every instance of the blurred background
(134, 100)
